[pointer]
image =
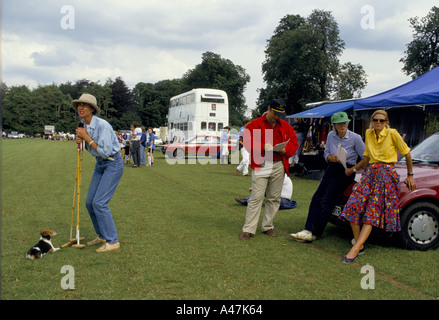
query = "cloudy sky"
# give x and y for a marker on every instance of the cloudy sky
(55, 41)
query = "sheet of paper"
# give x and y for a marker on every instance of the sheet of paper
(342, 155)
(280, 146)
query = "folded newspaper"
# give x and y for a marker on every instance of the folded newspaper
(342, 155)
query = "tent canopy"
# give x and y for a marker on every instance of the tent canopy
(423, 91)
(325, 110)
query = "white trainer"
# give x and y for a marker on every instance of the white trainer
(303, 236)
(97, 240)
(108, 247)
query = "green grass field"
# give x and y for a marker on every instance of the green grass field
(179, 229)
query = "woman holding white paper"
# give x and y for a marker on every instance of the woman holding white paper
(335, 180)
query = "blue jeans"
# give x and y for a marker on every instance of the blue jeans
(142, 154)
(103, 184)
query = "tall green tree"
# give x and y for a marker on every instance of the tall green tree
(218, 73)
(302, 63)
(422, 52)
(49, 106)
(16, 109)
(103, 94)
(123, 105)
(348, 82)
(153, 100)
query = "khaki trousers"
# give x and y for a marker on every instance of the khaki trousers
(266, 182)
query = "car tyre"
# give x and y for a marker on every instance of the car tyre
(420, 226)
(179, 154)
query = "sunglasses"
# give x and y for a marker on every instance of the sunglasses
(379, 120)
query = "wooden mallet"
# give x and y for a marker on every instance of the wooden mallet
(75, 242)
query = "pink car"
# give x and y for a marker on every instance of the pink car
(419, 210)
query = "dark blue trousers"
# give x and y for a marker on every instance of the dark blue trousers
(332, 186)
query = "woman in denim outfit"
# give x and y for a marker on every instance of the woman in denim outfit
(101, 142)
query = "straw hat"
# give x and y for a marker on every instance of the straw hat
(89, 99)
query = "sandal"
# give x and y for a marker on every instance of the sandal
(347, 260)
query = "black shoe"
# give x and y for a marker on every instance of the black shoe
(241, 201)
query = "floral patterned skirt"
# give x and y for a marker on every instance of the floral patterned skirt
(374, 199)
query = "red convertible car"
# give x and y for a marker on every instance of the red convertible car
(419, 209)
(200, 145)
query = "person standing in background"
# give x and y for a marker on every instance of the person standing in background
(142, 146)
(135, 144)
(224, 146)
(245, 162)
(151, 145)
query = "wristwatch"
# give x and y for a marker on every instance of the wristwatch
(353, 169)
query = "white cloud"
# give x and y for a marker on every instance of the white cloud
(382, 67)
(153, 40)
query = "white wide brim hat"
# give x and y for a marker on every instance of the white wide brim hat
(89, 99)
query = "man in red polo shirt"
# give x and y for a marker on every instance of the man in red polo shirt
(269, 165)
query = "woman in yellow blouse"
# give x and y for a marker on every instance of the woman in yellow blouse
(374, 200)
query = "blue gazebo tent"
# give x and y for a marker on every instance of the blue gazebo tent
(324, 110)
(407, 104)
(421, 92)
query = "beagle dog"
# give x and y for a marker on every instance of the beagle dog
(43, 246)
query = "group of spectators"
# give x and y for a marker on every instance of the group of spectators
(135, 143)
(269, 143)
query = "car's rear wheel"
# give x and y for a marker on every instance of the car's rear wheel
(420, 226)
(179, 154)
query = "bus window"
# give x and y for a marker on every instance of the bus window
(220, 126)
(212, 126)
(214, 98)
(203, 125)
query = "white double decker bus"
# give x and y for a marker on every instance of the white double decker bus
(197, 111)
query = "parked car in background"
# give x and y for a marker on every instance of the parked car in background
(200, 145)
(419, 209)
(13, 135)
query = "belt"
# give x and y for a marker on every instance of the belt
(270, 161)
(110, 158)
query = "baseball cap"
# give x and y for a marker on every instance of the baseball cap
(278, 107)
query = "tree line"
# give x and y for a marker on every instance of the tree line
(301, 65)
(29, 110)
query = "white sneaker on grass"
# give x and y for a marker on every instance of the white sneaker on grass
(108, 247)
(97, 240)
(303, 236)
